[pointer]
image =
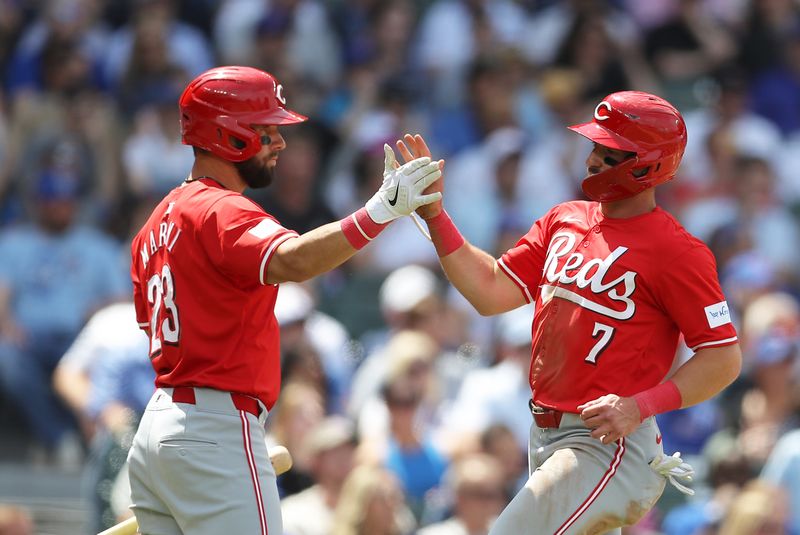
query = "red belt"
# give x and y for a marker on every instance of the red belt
(545, 418)
(185, 394)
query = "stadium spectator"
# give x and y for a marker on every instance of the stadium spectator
(476, 484)
(331, 447)
(186, 46)
(760, 509)
(783, 469)
(371, 503)
(497, 394)
(106, 378)
(299, 411)
(54, 274)
(306, 329)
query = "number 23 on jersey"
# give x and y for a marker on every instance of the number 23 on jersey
(166, 327)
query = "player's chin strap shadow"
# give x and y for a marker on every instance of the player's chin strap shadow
(673, 468)
(416, 218)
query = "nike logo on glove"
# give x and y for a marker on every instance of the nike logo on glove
(658, 439)
(393, 201)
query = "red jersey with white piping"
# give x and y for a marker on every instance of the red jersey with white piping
(612, 298)
(199, 272)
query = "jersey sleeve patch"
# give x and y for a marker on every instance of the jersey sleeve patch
(266, 228)
(718, 314)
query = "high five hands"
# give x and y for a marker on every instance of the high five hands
(411, 147)
(405, 187)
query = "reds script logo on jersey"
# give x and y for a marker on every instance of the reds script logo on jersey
(591, 274)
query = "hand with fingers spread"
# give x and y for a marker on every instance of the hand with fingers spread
(411, 147)
(403, 187)
(610, 417)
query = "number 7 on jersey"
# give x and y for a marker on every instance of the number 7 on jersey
(606, 332)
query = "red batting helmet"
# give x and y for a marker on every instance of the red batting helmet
(641, 123)
(220, 105)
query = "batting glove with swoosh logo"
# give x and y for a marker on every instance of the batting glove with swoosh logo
(401, 191)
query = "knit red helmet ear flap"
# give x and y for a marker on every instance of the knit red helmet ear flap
(633, 121)
(220, 105)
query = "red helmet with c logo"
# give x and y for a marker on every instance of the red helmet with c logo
(220, 105)
(641, 123)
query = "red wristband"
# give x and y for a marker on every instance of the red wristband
(445, 236)
(360, 229)
(662, 398)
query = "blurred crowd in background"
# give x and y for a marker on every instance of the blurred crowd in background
(405, 411)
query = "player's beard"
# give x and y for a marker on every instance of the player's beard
(255, 174)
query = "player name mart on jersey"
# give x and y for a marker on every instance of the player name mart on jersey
(718, 314)
(168, 234)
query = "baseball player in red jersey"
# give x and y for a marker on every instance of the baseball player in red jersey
(615, 281)
(206, 267)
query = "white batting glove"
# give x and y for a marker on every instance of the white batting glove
(674, 468)
(401, 191)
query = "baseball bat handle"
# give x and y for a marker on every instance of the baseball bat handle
(126, 527)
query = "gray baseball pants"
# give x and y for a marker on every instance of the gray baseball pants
(202, 469)
(578, 485)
